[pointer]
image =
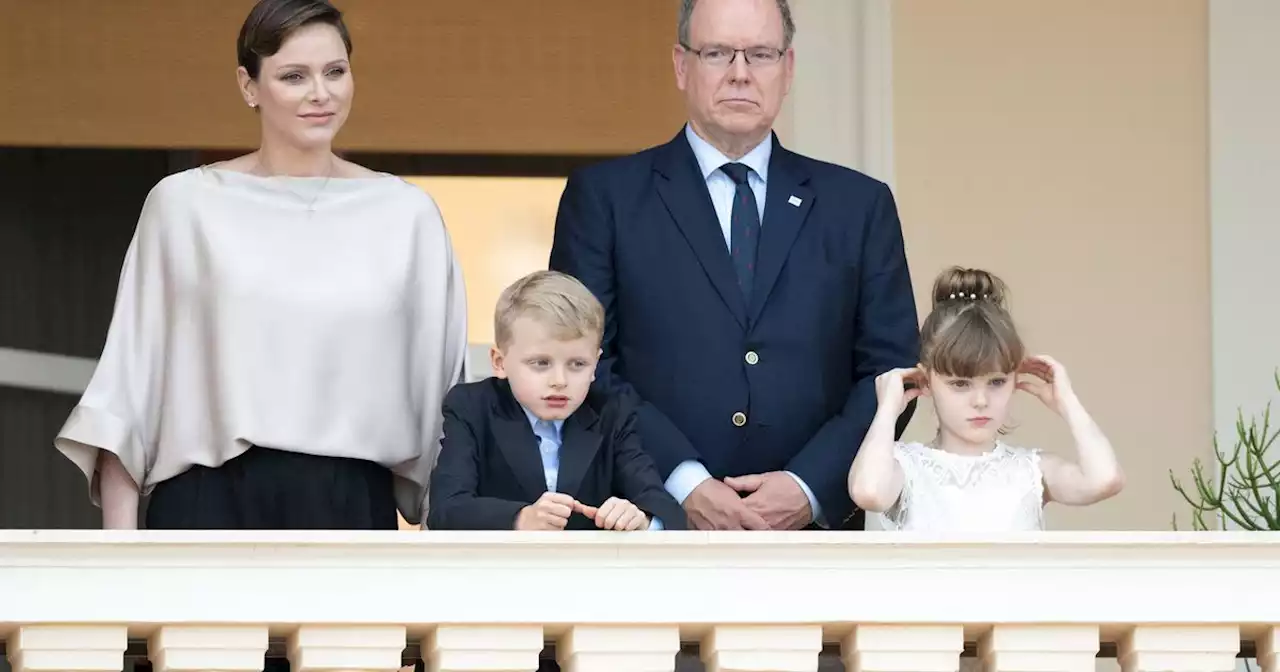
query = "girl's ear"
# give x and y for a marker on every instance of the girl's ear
(926, 389)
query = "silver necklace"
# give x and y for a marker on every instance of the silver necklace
(311, 204)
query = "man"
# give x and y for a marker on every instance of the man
(752, 294)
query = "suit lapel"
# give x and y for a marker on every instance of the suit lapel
(787, 203)
(519, 446)
(684, 192)
(580, 441)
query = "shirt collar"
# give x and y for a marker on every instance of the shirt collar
(533, 421)
(710, 159)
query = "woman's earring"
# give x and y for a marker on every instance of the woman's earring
(253, 104)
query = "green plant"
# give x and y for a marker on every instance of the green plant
(1246, 488)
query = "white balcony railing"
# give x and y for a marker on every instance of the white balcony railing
(72, 600)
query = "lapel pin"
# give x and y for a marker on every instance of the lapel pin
(794, 200)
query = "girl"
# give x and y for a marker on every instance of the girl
(967, 478)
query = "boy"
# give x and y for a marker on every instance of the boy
(532, 448)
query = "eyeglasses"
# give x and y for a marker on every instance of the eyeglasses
(719, 56)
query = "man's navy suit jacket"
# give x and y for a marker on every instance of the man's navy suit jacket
(832, 308)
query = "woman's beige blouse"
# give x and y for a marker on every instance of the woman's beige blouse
(327, 319)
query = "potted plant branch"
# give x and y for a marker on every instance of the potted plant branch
(1245, 491)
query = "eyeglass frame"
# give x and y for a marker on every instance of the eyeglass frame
(734, 54)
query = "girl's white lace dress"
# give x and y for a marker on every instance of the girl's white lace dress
(998, 491)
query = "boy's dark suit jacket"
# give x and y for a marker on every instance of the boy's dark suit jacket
(489, 465)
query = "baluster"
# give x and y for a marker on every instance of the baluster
(599, 648)
(903, 648)
(69, 648)
(1040, 648)
(325, 648)
(762, 648)
(1198, 648)
(193, 648)
(483, 648)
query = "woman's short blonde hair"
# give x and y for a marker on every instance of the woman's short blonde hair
(554, 299)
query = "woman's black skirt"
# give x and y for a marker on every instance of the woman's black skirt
(265, 489)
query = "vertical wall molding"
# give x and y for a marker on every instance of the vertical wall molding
(1244, 169)
(876, 89)
(840, 108)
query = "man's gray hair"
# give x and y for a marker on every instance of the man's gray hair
(686, 14)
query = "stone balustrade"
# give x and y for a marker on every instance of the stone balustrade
(612, 602)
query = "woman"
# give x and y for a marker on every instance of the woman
(287, 322)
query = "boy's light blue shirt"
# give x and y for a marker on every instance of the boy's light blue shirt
(549, 440)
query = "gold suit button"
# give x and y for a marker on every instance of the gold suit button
(739, 419)
(752, 358)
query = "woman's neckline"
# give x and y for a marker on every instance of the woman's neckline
(220, 170)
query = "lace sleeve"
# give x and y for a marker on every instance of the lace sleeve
(1031, 513)
(895, 517)
(1042, 493)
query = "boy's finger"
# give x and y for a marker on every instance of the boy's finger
(559, 510)
(559, 498)
(588, 511)
(611, 522)
(604, 511)
(631, 520)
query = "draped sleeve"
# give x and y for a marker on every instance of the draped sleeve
(439, 350)
(118, 412)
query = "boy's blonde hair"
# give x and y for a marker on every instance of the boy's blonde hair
(554, 299)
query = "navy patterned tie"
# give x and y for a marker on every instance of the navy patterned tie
(744, 227)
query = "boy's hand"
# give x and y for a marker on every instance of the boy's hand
(550, 512)
(615, 514)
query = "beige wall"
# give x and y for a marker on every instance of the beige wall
(501, 229)
(1062, 144)
(498, 76)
